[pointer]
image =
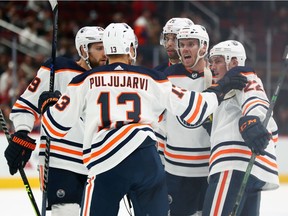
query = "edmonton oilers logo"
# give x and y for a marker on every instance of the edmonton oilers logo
(185, 124)
(60, 193)
(194, 75)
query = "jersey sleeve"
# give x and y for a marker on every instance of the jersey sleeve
(25, 110)
(57, 123)
(192, 107)
(254, 101)
(253, 98)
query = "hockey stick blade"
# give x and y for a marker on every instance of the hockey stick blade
(265, 123)
(21, 170)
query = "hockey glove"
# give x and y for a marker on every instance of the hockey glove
(47, 99)
(19, 150)
(227, 83)
(255, 135)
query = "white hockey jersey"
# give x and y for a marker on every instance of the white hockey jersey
(228, 151)
(186, 148)
(65, 153)
(120, 104)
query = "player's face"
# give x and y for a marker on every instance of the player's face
(218, 66)
(188, 49)
(97, 56)
(170, 46)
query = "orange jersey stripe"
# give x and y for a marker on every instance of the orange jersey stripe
(241, 151)
(220, 193)
(187, 157)
(88, 195)
(253, 102)
(112, 142)
(62, 149)
(198, 105)
(27, 108)
(161, 145)
(51, 129)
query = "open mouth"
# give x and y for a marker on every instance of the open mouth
(187, 56)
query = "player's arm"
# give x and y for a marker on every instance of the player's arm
(254, 104)
(194, 107)
(58, 119)
(23, 115)
(25, 110)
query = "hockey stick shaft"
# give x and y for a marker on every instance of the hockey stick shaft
(21, 170)
(54, 6)
(265, 123)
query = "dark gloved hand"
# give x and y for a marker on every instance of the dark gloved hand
(255, 135)
(227, 83)
(19, 150)
(47, 99)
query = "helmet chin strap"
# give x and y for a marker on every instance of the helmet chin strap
(227, 64)
(133, 59)
(86, 60)
(198, 56)
(88, 63)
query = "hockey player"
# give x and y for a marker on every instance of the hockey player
(67, 174)
(236, 131)
(168, 40)
(186, 160)
(119, 104)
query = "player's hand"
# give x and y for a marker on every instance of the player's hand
(19, 150)
(255, 135)
(226, 84)
(48, 99)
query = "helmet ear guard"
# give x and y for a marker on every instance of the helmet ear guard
(229, 49)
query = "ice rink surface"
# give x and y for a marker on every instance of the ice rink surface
(16, 202)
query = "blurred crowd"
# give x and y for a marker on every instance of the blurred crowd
(32, 22)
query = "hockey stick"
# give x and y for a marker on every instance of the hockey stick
(265, 123)
(54, 6)
(21, 170)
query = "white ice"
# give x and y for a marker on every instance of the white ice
(16, 202)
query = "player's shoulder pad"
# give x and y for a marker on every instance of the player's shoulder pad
(62, 63)
(120, 68)
(162, 67)
(176, 69)
(124, 68)
(240, 69)
(155, 74)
